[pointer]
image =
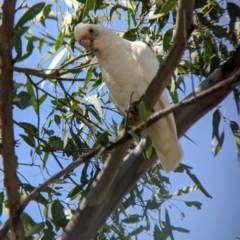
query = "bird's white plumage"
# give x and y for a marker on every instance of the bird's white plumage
(129, 67)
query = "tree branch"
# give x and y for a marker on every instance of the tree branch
(184, 122)
(104, 180)
(184, 28)
(55, 74)
(216, 93)
(11, 181)
(135, 165)
(85, 158)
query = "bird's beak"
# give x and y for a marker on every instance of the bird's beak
(87, 43)
(86, 40)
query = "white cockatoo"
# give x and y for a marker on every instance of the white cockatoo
(129, 67)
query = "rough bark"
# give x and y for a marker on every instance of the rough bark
(6, 89)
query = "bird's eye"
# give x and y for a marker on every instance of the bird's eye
(93, 32)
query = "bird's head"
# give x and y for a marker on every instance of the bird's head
(93, 37)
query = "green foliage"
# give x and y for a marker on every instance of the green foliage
(148, 147)
(143, 112)
(215, 132)
(67, 111)
(236, 133)
(30, 14)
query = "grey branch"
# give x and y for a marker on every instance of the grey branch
(211, 92)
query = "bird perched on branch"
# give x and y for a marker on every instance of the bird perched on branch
(129, 67)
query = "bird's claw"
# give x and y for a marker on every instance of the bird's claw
(133, 109)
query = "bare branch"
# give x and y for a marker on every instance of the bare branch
(55, 74)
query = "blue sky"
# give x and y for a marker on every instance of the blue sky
(220, 175)
(219, 217)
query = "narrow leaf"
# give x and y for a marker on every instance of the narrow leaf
(155, 16)
(27, 221)
(215, 124)
(129, 201)
(186, 190)
(73, 193)
(30, 14)
(116, 8)
(236, 133)
(65, 138)
(179, 229)
(23, 100)
(196, 181)
(89, 5)
(153, 205)
(136, 231)
(42, 99)
(236, 94)
(143, 112)
(56, 60)
(168, 6)
(57, 210)
(132, 219)
(17, 42)
(30, 90)
(36, 229)
(1, 202)
(148, 147)
(58, 42)
(187, 137)
(57, 119)
(196, 204)
(157, 235)
(95, 102)
(87, 78)
(28, 127)
(168, 224)
(29, 51)
(28, 139)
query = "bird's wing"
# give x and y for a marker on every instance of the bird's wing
(148, 65)
(146, 62)
(163, 133)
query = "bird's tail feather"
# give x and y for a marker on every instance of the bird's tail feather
(165, 142)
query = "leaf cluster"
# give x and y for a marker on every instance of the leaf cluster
(65, 111)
